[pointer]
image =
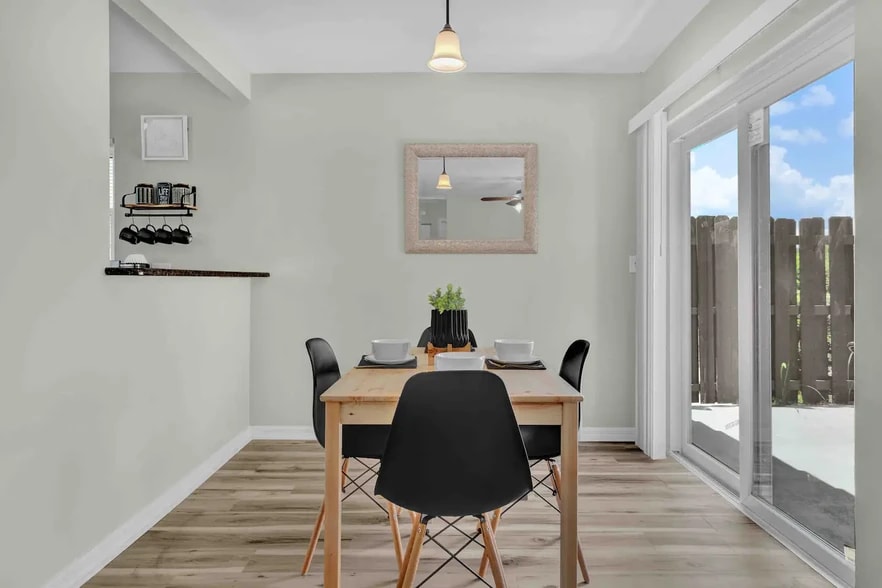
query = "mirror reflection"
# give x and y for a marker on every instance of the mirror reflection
(470, 198)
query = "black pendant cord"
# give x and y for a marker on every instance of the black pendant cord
(448, 14)
(443, 165)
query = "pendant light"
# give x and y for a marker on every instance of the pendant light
(443, 179)
(447, 57)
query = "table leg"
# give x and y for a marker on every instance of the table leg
(569, 443)
(333, 490)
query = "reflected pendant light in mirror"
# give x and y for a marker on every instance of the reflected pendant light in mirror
(447, 57)
(443, 179)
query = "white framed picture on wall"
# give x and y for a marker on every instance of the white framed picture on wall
(164, 137)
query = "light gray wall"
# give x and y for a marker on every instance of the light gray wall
(868, 291)
(470, 218)
(111, 389)
(329, 168)
(325, 156)
(220, 166)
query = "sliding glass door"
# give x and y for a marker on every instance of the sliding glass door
(762, 270)
(805, 438)
(712, 395)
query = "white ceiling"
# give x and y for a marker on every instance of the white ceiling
(362, 36)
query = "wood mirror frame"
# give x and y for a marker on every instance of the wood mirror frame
(413, 152)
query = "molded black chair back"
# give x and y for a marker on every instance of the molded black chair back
(454, 448)
(424, 338)
(365, 441)
(574, 362)
(325, 373)
(543, 441)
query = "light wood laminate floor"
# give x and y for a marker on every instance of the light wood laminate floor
(643, 524)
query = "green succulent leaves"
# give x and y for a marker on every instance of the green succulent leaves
(447, 300)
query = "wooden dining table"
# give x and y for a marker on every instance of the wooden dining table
(368, 396)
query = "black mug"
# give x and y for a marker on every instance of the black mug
(147, 234)
(130, 234)
(164, 235)
(182, 235)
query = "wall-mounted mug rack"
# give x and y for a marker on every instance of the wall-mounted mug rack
(184, 207)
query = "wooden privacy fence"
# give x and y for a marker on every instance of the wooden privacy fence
(812, 277)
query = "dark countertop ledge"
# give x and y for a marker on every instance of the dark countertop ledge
(130, 271)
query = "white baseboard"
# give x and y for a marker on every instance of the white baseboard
(608, 434)
(292, 433)
(83, 568)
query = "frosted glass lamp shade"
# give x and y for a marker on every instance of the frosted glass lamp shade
(443, 182)
(447, 57)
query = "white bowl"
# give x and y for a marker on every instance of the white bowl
(459, 360)
(390, 349)
(513, 349)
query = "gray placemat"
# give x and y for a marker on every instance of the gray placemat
(495, 364)
(365, 363)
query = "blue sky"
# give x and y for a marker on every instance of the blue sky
(811, 155)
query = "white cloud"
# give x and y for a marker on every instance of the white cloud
(782, 107)
(846, 125)
(712, 193)
(794, 195)
(805, 136)
(818, 95)
(793, 191)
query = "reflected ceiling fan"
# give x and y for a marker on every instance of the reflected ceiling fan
(513, 200)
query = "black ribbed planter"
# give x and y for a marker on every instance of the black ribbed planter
(450, 327)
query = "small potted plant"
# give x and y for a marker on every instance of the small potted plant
(450, 320)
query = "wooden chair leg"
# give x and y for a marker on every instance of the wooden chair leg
(396, 533)
(485, 559)
(310, 551)
(343, 471)
(413, 560)
(319, 523)
(414, 527)
(555, 472)
(493, 551)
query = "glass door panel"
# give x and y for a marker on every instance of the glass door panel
(713, 395)
(805, 435)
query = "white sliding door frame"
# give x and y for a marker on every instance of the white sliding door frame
(757, 340)
(754, 305)
(652, 277)
(680, 308)
(819, 51)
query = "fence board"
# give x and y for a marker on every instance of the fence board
(696, 390)
(841, 301)
(726, 307)
(704, 254)
(786, 328)
(812, 301)
(812, 291)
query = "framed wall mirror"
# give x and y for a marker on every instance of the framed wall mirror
(470, 198)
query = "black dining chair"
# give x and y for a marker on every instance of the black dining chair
(360, 442)
(454, 451)
(424, 338)
(543, 445)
